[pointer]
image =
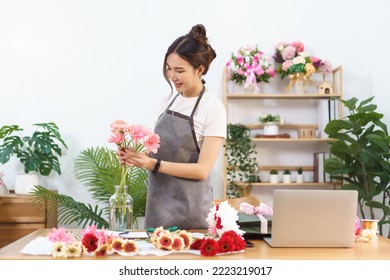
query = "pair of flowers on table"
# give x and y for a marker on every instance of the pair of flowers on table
(92, 241)
(137, 137)
(249, 66)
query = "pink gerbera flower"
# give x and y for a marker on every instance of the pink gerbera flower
(152, 143)
(60, 235)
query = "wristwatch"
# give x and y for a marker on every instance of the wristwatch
(157, 166)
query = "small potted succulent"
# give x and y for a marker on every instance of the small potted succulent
(38, 153)
(271, 123)
(299, 178)
(286, 176)
(274, 176)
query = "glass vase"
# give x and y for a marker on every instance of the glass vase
(121, 210)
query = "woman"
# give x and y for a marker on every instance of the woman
(192, 128)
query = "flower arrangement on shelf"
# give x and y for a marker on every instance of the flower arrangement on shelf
(249, 66)
(93, 241)
(267, 118)
(298, 65)
(293, 60)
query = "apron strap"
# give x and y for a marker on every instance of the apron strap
(197, 102)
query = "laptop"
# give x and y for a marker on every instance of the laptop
(313, 218)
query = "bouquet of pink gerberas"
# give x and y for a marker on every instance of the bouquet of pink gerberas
(137, 137)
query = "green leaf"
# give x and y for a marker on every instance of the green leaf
(69, 210)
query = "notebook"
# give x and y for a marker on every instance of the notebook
(313, 218)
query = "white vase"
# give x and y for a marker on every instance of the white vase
(25, 183)
(271, 128)
(299, 178)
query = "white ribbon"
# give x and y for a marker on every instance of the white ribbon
(259, 211)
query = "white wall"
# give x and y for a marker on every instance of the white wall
(85, 63)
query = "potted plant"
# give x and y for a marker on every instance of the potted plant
(360, 157)
(240, 156)
(99, 170)
(271, 123)
(273, 176)
(286, 176)
(299, 178)
(38, 153)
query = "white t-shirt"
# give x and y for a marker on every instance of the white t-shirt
(209, 117)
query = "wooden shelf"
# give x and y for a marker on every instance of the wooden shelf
(295, 140)
(280, 184)
(304, 134)
(281, 96)
(282, 126)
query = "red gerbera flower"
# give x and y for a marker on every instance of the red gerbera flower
(90, 242)
(239, 242)
(209, 247)
(196, 244)
(226, 244)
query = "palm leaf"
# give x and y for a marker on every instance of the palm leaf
(69, 210)
(99, 170)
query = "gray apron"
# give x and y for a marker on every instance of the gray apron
(174, 201)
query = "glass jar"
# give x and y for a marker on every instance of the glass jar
(121, 210)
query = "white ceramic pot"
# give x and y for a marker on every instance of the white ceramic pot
(271, 128)
(299, 178)
(25, 183)
(273, 178)
(286, 178)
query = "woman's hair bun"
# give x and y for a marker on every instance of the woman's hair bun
(199, 32)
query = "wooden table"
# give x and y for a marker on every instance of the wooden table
(379, 250)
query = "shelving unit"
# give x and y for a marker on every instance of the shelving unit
(323, 107)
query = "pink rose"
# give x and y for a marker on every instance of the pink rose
(286, 65)
(270, 71)
(289, 52)
(298, 46)
(240, 60)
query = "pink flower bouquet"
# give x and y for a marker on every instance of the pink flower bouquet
(249, 66)
(137, 137)
(293, 60)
